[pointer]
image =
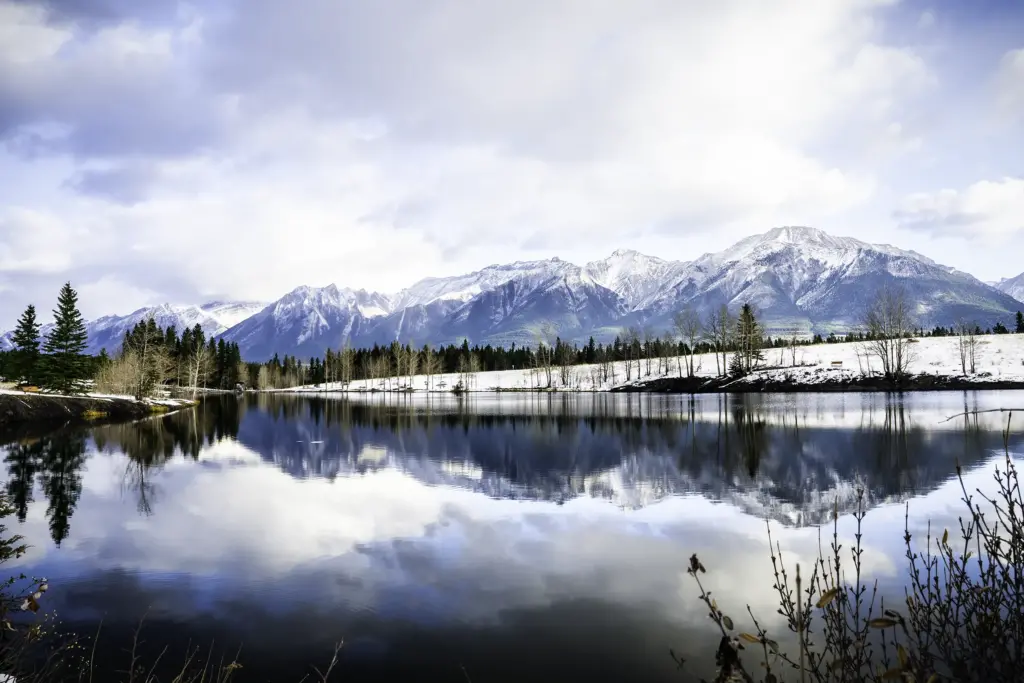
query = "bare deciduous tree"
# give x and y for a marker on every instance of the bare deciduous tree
(890, 324)
(648, 342)
(719, 328)
(967, 343)
(145, 355)
(565, 362)
(346, 363)
(687, 326)
(431, 366)
(263, 380)
(631, 350)
(198, 364)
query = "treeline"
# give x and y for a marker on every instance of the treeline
(738, 342)
(395, 364)
(57, 362)
(151, 356)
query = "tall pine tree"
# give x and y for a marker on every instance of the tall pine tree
(66, 365)
(1020, 323)
(24, 361)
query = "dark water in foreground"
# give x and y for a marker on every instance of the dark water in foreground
(495, 538)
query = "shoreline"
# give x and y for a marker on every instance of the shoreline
(748, 385)
(18, 409)
(715, 385)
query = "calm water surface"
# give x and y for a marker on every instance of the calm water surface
(500, 538)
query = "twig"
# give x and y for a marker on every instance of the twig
(978, 412)
(92, 656)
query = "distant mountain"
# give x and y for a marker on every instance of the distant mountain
(108, 331)
(805, 280)
(1014, 286)
(800, 280)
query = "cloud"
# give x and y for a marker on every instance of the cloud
(1010, 85)
(103, 11)
(536, 555)
(374, 143)
(120, 89)
(986, 208)
(125, 184)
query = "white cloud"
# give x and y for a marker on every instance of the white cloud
(986, 208)
(356, 538)
(1010, 85)
(340, 144)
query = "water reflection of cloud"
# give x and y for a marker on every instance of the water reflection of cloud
(382, 541)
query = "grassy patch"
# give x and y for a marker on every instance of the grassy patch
(158, 408)
(93, 414)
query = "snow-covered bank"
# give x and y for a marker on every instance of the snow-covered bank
(999, 363)
(18, 407)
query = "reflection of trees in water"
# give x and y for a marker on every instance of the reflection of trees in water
(57, 463)
(23, 461)
(151, 443)
(722, 442)
(561, 449)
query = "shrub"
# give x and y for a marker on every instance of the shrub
(962, 618)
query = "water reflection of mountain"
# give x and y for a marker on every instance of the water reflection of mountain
(739, 451)
(766, 459)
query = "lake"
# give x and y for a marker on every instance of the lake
(484, 538)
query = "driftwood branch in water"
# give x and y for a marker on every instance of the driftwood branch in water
(990, 410)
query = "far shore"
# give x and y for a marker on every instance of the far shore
(746, 385)
(935, 365)
(714, 385)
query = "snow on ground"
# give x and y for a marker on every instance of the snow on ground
(999, 358)
(102, 397)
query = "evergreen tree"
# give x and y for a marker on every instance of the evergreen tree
(66, 365)
(23, 364)
(1020, 323)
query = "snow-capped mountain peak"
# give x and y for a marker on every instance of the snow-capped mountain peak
(635, 277)
(230, 313)
(1014, 286)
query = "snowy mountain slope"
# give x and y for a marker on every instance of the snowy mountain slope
(1014, 286)
(463, 288)
(637, 278)
(308, 320)
(806, 279)
(561, 300)
(230, 313)
(799, 279)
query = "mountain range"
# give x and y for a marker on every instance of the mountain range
(800, 279)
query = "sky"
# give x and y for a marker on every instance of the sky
(167, 151)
